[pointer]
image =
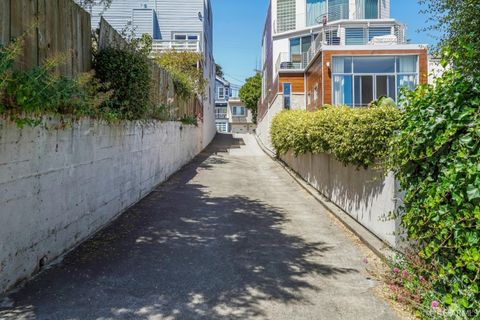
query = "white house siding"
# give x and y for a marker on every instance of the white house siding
(120, 13)
(179, 16)
(142, 21)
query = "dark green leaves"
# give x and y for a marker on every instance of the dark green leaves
(437, 161)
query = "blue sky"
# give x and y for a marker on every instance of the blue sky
(238, 27)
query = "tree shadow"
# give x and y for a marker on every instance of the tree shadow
(181, 254)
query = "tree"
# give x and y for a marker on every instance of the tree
(250, 94)
(458, 22)
(219, 70)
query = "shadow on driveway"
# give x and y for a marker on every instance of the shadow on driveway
(180, 253)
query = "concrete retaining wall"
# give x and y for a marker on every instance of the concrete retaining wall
(265, 124)
(58, 187)
(366, 195)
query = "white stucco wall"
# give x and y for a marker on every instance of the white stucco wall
(366, 195)
(58, 187)
(264, 124)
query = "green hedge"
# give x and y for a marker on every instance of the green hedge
(353, 136)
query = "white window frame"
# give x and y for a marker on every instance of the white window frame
(396, 74)
(244, 111)
(221, 96)
(187, 35)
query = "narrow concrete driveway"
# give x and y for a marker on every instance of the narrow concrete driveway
(231, 236)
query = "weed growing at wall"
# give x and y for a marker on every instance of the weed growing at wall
(357, 137)
(28, 95)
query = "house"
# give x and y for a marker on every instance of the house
(185, 25)
(338, 52)
(241, 118)
(222, 94)
(231, 115)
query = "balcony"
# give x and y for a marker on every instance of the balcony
(285, 61)
(220, 116)
(344, 34)
(176, 45)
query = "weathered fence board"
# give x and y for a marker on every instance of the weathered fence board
(51, 29)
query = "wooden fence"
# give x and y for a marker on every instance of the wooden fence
(163, 92)
(51, 28)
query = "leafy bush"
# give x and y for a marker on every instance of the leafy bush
(127, 73)
(358, 137)
(437, 161)
(183, 68)
(28, 95)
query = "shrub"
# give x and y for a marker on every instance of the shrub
(357, 137)
(183, 68)
(127, 73)
(437, 161)
(28, 95)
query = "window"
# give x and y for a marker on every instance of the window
(238, 111)
(220, 112)
(355, 36)
(378, 32)
(332, 38)
(286, 15)
(366, 9)
(363, 89)
(185, 37)
(315, 93)
(287, 91)
(221, 93)
(360, 36)
(385, 86)
(222, 127)
(374, 65)
(337, 10)
(298, 47)
(343, 90)
(357, 81)
(316, 10)
(332, 10)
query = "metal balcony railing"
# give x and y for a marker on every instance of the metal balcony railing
(353, 33)
(220, 116)
(285, 61)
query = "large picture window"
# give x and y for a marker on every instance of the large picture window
(358, 80)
